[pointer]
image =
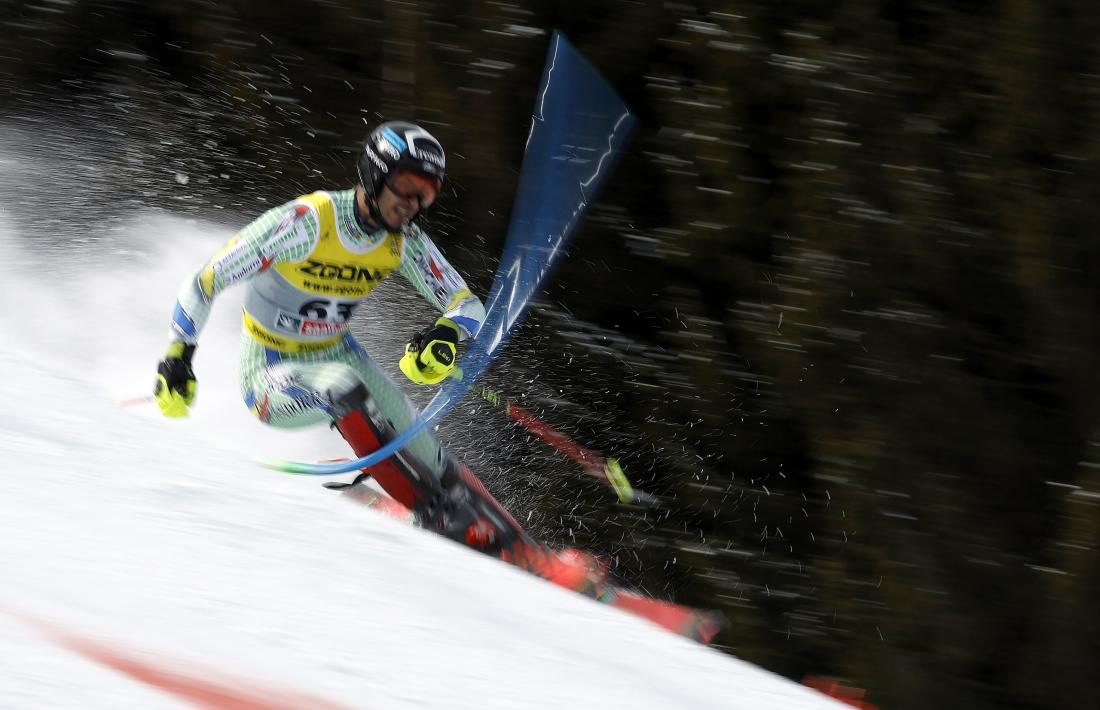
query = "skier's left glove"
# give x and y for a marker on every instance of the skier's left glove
(175, 388)
(430, 356)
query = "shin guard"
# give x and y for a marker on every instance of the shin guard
(365, 432)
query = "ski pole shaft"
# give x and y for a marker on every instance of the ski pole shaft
(607, 470)
(134, 401)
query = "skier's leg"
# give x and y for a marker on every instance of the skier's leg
(459, 506)
(302, 389)
(344, 385)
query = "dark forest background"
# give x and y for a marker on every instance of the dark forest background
(836, 307)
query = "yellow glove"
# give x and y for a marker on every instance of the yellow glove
(430, 356)
(175, 388)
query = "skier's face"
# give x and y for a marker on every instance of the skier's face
(404, 195)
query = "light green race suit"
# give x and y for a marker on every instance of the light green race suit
(307, 264)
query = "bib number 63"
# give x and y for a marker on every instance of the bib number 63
(324, 310)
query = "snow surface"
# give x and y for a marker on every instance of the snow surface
(161, 538)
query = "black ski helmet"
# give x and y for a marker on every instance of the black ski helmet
(399, 144)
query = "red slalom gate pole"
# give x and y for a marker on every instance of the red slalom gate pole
(607, 470)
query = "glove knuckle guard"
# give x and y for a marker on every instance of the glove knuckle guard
(443, 352)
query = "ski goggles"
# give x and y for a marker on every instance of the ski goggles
(409, 185)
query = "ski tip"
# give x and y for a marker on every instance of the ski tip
(705, 625)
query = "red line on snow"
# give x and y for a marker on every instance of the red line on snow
(194, 686)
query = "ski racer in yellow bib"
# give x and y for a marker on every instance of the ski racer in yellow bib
(307, 264)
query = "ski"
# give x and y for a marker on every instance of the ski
(569, 568)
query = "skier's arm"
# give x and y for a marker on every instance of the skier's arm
(282, 233)
(286, 232)
(430, 356)
(425, 267)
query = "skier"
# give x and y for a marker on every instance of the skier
(308, 263)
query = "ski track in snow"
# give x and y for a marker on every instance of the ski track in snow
(161, 539)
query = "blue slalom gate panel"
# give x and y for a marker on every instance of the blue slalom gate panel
(579, 126)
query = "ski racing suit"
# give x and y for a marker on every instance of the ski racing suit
(308, 263)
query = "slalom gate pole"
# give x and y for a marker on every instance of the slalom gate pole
(607, 470)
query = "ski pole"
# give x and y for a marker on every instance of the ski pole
(607, 470)
(134, 401)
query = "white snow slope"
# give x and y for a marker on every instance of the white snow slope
(162, 541)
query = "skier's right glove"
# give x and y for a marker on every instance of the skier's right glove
(175, 388)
